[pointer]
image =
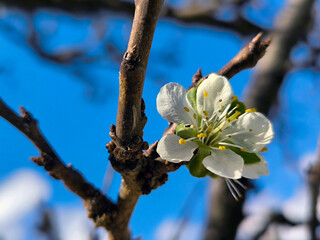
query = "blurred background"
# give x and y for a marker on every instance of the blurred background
(60, 60)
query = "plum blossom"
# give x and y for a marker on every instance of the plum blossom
(216, 134)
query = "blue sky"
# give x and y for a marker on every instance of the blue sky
(76, 104)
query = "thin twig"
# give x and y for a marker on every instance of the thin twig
(248, 57)
(99, 207)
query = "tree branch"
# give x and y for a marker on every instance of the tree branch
(99, 207)
(291, 25)
(131, 118)
(314, 183)
(187, 15)
(248, 57)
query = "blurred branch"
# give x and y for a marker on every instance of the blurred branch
(189, 15)
(290, 25)
(314, 183)
(277, 218)
(100, 208)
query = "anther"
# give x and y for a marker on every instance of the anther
(223, 148)
(205, 113)
(187, 109)
(235, 98)
(205, 94)
(222, 106)
(250, 130)
(251, 110)
(220, 100)
(243, 149)
(264, 149)
(182, 141)
(195, 116)
(200, 135)
(229, 136)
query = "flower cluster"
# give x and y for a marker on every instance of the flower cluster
(215, 132)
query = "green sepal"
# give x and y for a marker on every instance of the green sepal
(248, 158)
(242, 107)
(192, 97)
(185, 132)
(195, 166)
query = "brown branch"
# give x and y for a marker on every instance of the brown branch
(100, 208)
(248, 57)
(314, 183)
(126, 149)
(131, 118)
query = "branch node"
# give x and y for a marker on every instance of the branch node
(131, 58)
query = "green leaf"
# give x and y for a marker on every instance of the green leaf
(185, 132)
(192, 97)
(195, 166)
(248, 158)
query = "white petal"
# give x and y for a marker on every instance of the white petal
(257, 131)
(169, 149)
(224, 163)
(171, 101)
(219, 94)
(255, 170)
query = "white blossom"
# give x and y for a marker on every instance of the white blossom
(228, 138)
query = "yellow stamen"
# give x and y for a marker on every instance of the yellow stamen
(243, 149)
(229, 136)
(264, 149)
(251, 110)
(200, 135)
(222, 106)
(205, 94)
(182, 141)
(187, 109)
(235, 98)
(223, 148)
(205, 113)
(236, 114)
(238, 105)
(250, 130)
(195, 116)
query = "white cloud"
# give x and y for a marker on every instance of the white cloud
(73, 223)
(20, 193)
(262, 203)
(169, 227)
(297, 208)
(282, 232)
